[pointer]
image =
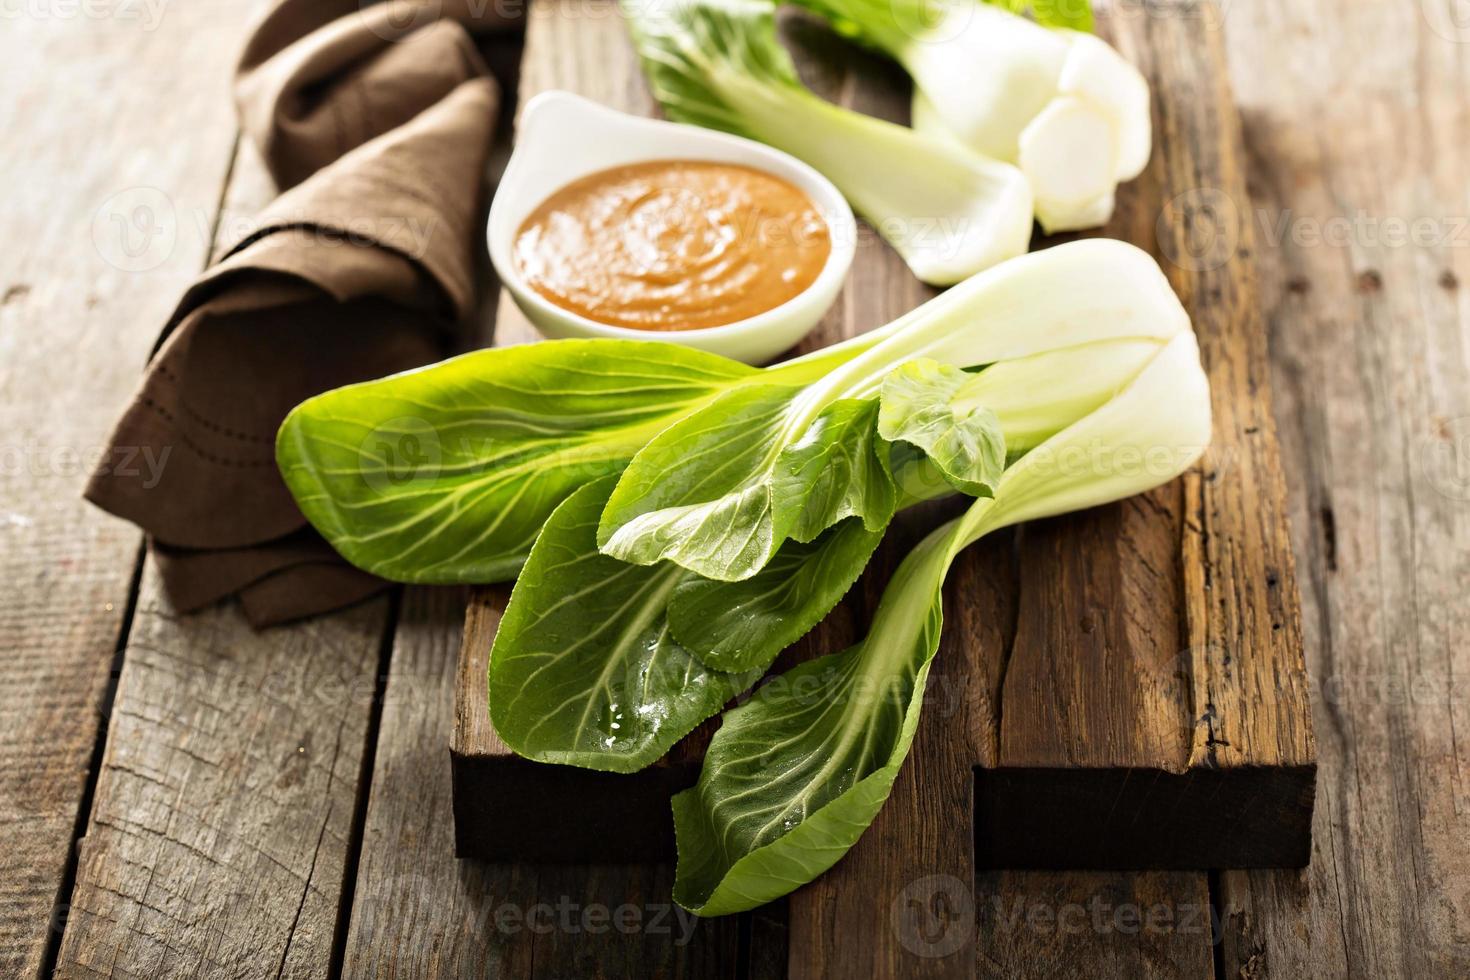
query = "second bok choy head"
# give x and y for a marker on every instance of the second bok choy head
(1059, 103)
(946, 209)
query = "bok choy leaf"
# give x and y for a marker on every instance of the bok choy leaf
(918, 405)
(796, 774)
(592, 663)
(947, 210)
(445, 474)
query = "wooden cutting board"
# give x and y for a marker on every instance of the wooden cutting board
(1122, 688)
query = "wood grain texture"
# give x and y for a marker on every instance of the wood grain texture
(419, 912)
(220, 833)
(1154, 710)
(221, 830)
(105, 193)
(1355, 116)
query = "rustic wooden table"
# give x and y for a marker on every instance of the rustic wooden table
(181, 796)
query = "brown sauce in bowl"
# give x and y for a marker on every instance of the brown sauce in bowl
(673, 245)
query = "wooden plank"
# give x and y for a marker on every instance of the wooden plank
(1162, 720)
(1154, 709)
(417, 911)
(221, 831)
(907, 900)
(107, 220)
(1369, 322)
(1156, 687)
(580, 47)
(1081, 925)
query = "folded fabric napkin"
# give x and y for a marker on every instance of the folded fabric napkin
(379, 119)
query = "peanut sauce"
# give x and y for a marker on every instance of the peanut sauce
(673, 245)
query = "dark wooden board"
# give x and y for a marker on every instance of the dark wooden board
(1150, 704)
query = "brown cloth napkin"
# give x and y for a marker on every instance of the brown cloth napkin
(380, 120)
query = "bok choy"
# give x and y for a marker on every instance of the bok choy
(678, 519)
(796, 774)
(605, 665)
(446, 474)
(948, 211)
(1059, 103)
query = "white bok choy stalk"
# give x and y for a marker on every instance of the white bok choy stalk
(719, 491)
(605, 665)
(947, 210)
(1059, 103)
(797, 773)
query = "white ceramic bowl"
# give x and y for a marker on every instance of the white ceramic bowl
(562, 137)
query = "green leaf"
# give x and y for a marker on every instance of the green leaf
(795, 775)
(743, 625)
(592, 663)
(918, 406)
(721, 490)
(584, 670)
(836, 470)
(445, 474)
